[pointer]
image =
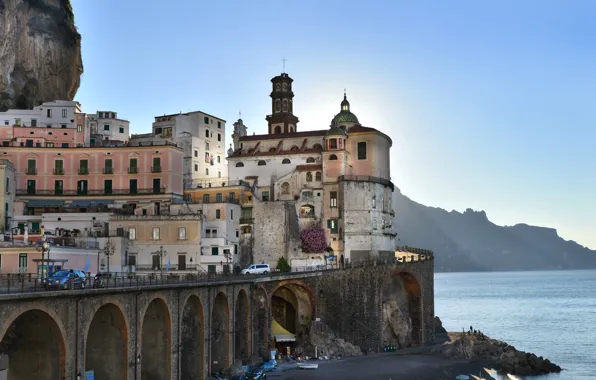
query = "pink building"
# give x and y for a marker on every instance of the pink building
(124, 171)
(37, 137)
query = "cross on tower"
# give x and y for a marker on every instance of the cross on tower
(284, 65)
(239, 115)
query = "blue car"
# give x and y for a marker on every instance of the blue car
(62, 280)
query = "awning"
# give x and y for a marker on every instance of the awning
(280, 334)
(45, 203)
(90, 202)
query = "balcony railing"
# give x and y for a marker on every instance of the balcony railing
(108, 170)
(31, 171)
(133, 170)
(246, 220)
(211, 200)
(83, 170)
(156, 169)
(58, 171)
(39, 192)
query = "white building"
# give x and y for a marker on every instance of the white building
(56, 114)
(106, 126)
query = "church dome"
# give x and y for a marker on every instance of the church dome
(345, 115)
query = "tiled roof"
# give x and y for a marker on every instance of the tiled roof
(284, 135)
(309, 167)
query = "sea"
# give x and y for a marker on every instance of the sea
(549, 313)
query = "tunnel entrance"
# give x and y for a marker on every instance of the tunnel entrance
(106, 349)
(291, 309)
(192, 340)
(35, 347)
(402, 311)
(156, 342)
(220, 337)
(241, 326)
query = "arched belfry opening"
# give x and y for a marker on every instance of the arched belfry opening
(35, 347)
(402, 311)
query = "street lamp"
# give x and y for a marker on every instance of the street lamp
(161, 253)
(45, 247)
(108, 250)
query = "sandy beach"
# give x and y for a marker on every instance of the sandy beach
(392, 366)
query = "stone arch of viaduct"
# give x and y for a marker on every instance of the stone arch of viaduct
(178, 332)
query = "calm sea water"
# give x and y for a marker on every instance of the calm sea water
(552, 314)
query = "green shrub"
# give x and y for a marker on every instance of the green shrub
(283, 265)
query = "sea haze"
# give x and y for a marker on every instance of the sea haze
(549, 313)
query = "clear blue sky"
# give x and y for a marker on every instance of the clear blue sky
(490, 105)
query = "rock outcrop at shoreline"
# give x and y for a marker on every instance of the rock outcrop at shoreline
(506, 358)
(327, 343)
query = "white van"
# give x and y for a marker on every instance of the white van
(257, 269)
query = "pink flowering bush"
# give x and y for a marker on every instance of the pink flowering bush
(313, 240)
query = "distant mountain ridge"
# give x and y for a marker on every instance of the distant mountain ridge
(468, 241)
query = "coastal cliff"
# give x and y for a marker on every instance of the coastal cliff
(40, 53)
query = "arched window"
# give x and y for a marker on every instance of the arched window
(277, 130)
(239, 165)
(285, 105)
(262, 163)
(318, 176)
(286, 161)
(271, 150)
(277, 105)
(291, 129)
(285, 188)
(333, 157)
(310, 160)
(294, 148)
(317, 146)
(309, 177)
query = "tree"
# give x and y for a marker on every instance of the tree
(313, 240)
(283, 266)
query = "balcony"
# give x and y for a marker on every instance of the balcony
(108, 170)
(156, 169)
(83, 170)
(133, 170)
(31, 171)
(58, 171)
(246, 220)
(210, 200)
(39, 192)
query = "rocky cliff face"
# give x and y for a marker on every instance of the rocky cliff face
(40, 52)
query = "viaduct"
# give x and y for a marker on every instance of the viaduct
(187, 331)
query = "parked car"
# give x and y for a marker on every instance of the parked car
(257, 269)
(62, 279)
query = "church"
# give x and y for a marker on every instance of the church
(315, 194)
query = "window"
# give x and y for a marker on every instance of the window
(219, 124)
(121, 129)
(232, 196)
(214, 251)
(79, 128)
(108, 168)
(133, 168)
(132, 233)
(132, 185)
(237, 233)
(82, 187)
(158, 131)
(181, 233)
(58, 167)
(362, 151)
(7, 184)
(207, 232)
(333, 199)
(333, 144)
(132, 259)
(206, 120)
(106, 127)
(318, 176)
(374, 202)
(307, 211)
(196, 167)
(205, 198)
(265, 196)
(239, 165)
(332, 225)
(218, 214)
(64, 145)
(59, 187)
(34, 122)
(155, 233)
(49, 113)
(64, 114)
(196, 153)
(333, 157)
(30, 186)
(262, 163)
(83, 167)
(219, 197)
(155, 262)
(310, 160)
(218, 159)
(219, 137)
(211, 268)
(231, 214)
(206, 146)
(206, 133)
(22, 262)
(286, 161)
(218, 174)
(285, 188)
(308, 177)
(156, 165)
(107, 186)
(29, 143)
(206, 171)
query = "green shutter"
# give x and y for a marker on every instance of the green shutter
(214, 251)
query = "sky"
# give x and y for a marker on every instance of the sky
(490, 104)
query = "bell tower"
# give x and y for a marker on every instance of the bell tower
(282, 119)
